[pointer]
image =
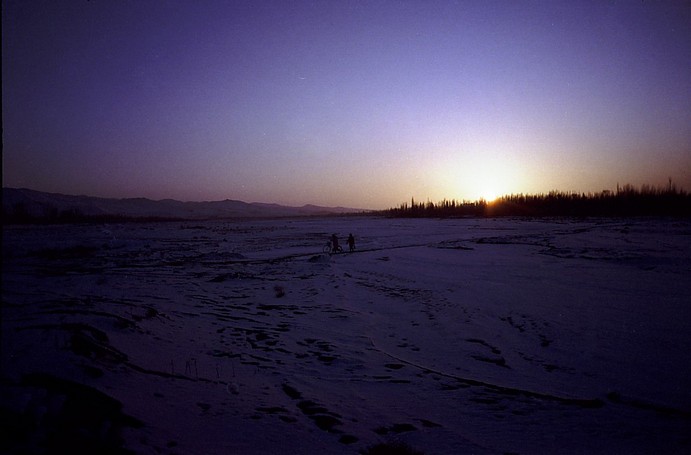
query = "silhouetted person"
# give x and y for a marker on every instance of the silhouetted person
(351, 242)
(334, 243)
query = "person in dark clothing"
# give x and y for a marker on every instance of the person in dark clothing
(351, 242)
(334, 244)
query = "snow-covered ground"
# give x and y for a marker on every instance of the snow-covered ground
(453, 336)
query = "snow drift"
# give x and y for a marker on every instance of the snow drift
(455, 336)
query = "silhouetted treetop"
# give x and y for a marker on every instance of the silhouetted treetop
(627, 201)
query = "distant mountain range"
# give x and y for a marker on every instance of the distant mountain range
(24, 205)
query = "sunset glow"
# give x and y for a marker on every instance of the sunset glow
(363, 104)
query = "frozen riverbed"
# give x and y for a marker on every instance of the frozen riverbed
(453, 336)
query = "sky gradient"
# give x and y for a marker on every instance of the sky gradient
(355, 103)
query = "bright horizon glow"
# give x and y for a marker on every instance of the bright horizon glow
(492, 180)
(356, 104)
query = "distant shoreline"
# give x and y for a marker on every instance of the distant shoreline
(25, 206)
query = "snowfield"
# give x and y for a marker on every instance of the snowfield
(478, 336)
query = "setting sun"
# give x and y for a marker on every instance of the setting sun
(488, 179)
(489, 196)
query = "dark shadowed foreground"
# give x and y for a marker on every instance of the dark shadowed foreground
(438, 336)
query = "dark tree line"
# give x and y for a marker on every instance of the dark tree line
(625, 201)
(19, 214)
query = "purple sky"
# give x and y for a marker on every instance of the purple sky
(356, 103)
